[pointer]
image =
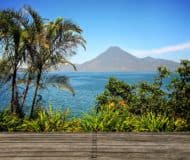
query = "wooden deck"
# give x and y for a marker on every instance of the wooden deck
(101, 146)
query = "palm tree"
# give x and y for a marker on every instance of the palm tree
(26, 38)
(51, 44)
(13, 48)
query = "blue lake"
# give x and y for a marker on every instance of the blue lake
(86, 85)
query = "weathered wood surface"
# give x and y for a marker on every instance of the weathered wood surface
(100, 146)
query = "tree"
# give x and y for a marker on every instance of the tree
(11, 27)
(49, 44)
(27, 38)
(180, 92)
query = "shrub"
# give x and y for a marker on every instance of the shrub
(171, 100)
(46, 121)
(151, 122)
(115, 89)
(181, 124)
(9, 122)
(179, 97)
(107, 119)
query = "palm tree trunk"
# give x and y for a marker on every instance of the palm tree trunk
(25, 91)
(13, 100)
(35, 93)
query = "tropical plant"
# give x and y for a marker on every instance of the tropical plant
(115, 90)
(11, 28)
(108, 118)
(51, 44)
(9, 122)
(46, 121)
(140, 98)
(151, 122)
(28, 39)
(181, 124)
(179, 96)
(151, 101)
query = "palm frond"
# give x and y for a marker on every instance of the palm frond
(37, 21)
(5, 71)
(64, 61)
(61, 82)
(68, 26)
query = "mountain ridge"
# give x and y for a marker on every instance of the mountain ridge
(115, 59)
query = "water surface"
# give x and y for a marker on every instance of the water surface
(87, 86)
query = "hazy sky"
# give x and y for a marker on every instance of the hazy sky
(157, 28)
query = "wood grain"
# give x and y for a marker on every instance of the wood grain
(100, 146)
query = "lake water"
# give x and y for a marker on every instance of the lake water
(86, 85)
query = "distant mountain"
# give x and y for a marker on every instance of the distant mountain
(116, 59)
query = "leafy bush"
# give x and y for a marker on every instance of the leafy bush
(153, 123)
(171, 100)
(181, 124)
(115, 89)
(9, 122)
(46, 121)
(107, 119)
(145, 107)
(112, 120)
(73, 125)
(179, 97)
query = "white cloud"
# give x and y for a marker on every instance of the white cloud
(166, 49)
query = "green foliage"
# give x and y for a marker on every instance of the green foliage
(115, 89)
(89, 122)
(114, 120)
(181, 124)
(180, 92)
(149, 98)
(26, 38)
(142, 98)
(4, 70)
(111, 119)
(108, 119)
(172, 100)
(73, 125)
(9, 122)
(144, 107)
(153, 123)
(153, 106)
(46, 121)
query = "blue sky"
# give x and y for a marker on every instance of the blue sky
(157, 28)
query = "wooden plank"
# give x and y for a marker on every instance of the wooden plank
(45, 158)
(140, 156)
(103, 146)
(27, 147)
(48, 153)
